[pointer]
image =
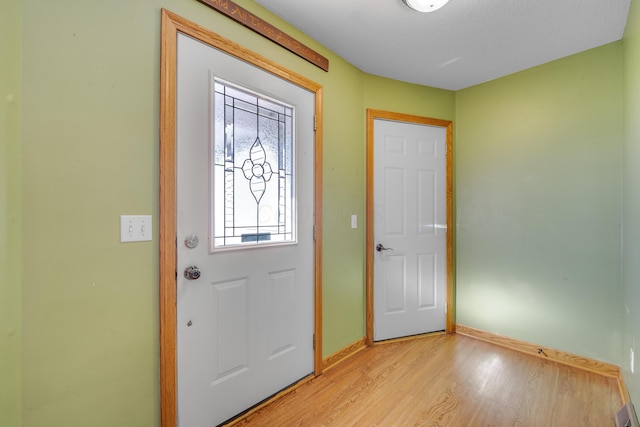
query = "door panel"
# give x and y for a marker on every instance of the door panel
(282, 313)
(231, 352)
(245, 327)
(394, 196)
(394, 283)
(426, 204)
(427, 280)
(410, 217)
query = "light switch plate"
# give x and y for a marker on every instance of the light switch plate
(135, 228)
(354, 221)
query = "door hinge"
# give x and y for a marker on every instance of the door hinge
(315, 123)
(314, 232)
(446, 308)
(314, 341)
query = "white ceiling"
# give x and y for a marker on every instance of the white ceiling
(465, 43)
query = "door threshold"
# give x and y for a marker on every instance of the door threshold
(269, 400)
(409, 337)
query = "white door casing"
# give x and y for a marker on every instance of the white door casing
(410, 224)
(245, 327)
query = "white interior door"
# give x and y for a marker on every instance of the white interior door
(245, 326)
(409, 229)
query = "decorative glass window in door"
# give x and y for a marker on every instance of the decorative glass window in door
(253, 170)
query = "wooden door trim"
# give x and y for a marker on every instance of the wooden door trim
(173, 24)
(407, 118)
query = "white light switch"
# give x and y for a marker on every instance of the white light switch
(354, 221)
(135, 228)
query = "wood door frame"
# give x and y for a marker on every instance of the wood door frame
(407, 118)
(172, 24)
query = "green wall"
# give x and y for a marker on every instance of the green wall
(90, 138)
(343, 178)
(538, 161)
(10, 208)
(392, 95)
(538, 157)
(631, 203)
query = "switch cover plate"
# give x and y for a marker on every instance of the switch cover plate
(135, 228)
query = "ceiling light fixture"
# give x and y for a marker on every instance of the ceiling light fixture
(425, 5)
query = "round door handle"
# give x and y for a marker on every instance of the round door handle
(192, 272)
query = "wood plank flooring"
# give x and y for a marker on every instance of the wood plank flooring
(446, 380)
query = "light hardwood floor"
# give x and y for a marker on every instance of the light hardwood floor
(446, 380)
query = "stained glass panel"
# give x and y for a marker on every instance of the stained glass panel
(252, 191)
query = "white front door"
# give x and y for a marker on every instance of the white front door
(245, 325)
(409, 231)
